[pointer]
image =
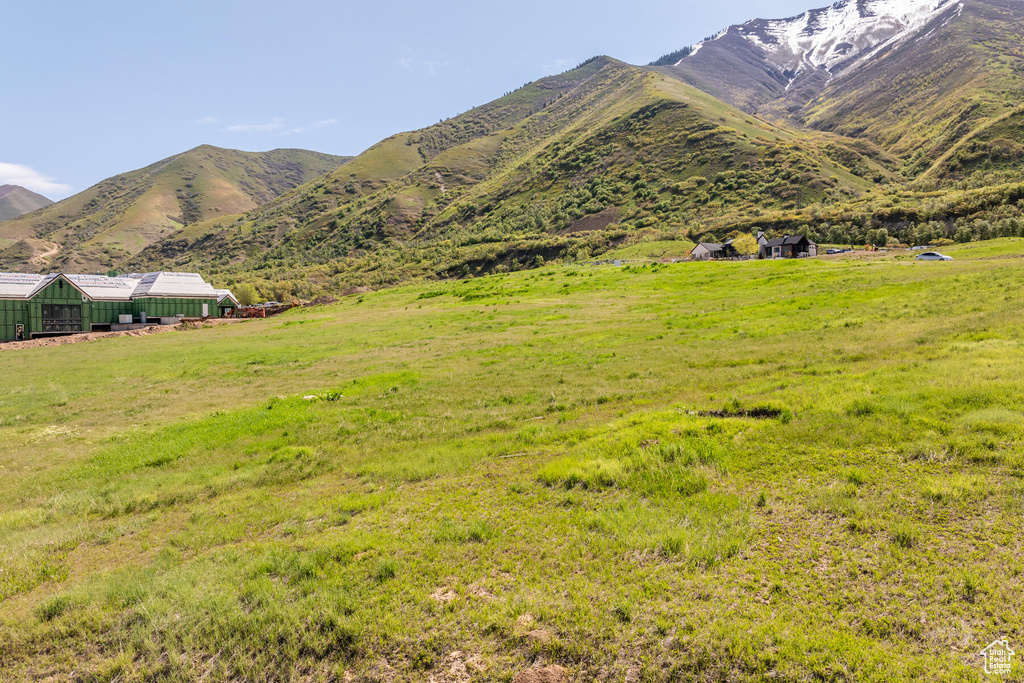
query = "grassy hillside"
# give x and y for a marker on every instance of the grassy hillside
(17, 201)
(120, 216)
(990, 155)
(790, 470)
(560, 168)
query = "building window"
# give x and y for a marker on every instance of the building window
(62, 318)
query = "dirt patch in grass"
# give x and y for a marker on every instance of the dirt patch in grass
(540, 635)
(443, 595)
(593, 222)
(757, 412)
(93, 336)
(542, 674)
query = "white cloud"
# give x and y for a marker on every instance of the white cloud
(558, 66)
(29, 178)
(272, 126)
(316, 125)
(207, 121)
(279, 126)
(427, 67)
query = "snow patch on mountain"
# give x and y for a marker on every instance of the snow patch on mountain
(832, 37)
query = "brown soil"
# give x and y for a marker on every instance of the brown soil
(540, 635)
(443, 595)
(93, 336)
(542, 674)
(597, 221)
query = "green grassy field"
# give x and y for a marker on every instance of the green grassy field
(652, 250)
(698, 471)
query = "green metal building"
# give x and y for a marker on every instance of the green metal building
(227, 304)
(59, 304)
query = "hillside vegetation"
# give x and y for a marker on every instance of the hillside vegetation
(722, 471)
(608, 155)
(561, 168)
(120, 216)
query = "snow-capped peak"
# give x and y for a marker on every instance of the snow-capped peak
(829, 37)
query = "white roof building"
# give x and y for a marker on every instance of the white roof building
(18, 285)
(223, 294)
(103, 288)
(121, 288)
(186, 285)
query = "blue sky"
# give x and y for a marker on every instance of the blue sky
(95, 89)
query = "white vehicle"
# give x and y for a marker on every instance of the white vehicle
(933, 256)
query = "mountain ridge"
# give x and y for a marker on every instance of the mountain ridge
(810, 48)
(16, 201)
(914, 76)
(592, 155)
(123, 214)
(922, 141)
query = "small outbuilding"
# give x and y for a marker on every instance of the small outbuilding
(709, 251)
(227, 304)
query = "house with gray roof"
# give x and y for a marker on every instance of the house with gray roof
(709, 251)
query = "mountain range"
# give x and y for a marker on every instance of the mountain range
(915, 76)
(118, 217)
(866, 120)
(17, 201)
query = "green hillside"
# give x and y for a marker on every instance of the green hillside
(711, 471)
(120, 216)
(556, 169)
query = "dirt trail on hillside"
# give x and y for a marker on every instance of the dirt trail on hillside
(40, 259)
(93, 336)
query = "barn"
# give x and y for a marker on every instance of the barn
(58, 304)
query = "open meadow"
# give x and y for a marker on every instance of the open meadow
(800, 470)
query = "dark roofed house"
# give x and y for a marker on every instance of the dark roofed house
(790, 246)
(706, 251)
